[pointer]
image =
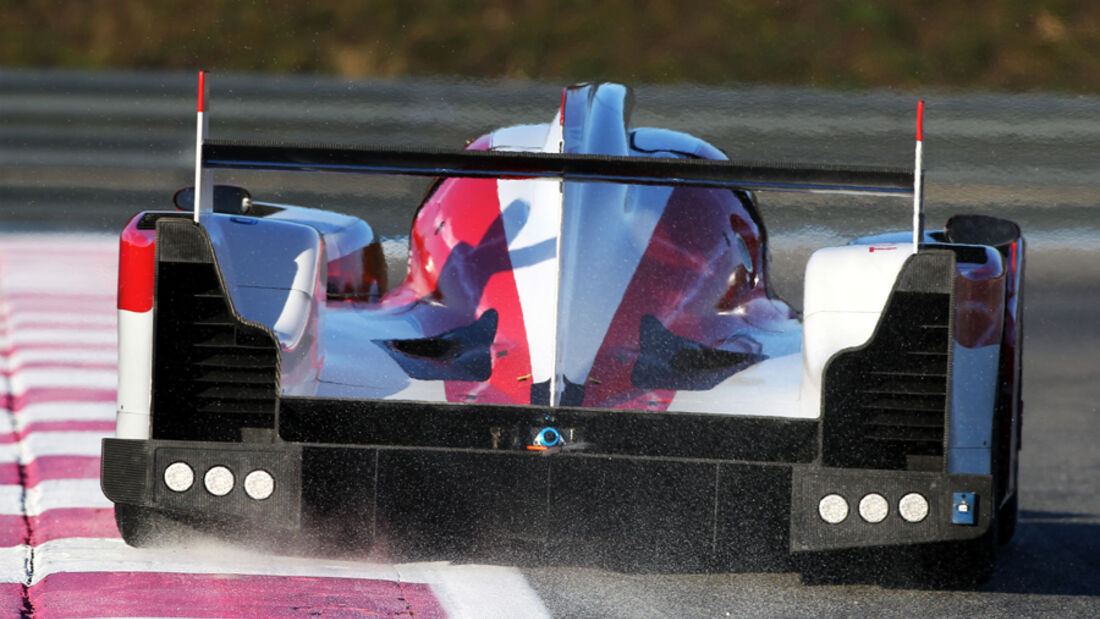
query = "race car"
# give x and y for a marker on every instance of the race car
(585, 362)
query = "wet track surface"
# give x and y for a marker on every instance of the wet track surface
(81, 152)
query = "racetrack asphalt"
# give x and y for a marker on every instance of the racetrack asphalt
(80, 152)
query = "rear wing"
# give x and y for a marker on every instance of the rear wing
(754, 176)
(635, 170)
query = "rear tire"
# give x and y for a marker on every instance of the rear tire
(948, 565)
(962, 565)
(142, 527)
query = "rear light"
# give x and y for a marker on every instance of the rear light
(833, 509)
(179, 477)
(873, 508)
(259, 484)
(219, 481)
(913, 507)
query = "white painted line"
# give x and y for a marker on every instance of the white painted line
(67, 378)
(64, 411)
(82, 281)
(98, 303)
(65, 494)
(28, 337)
(73, 356)
(15, 564)
(11, 500)
(38, 444)
(53, 443)
(51, 242)
(52, 494)
(206, 557)
(69, 318)
(487, 591)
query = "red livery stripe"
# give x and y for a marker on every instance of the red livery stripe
(474, 249)
(136, 262)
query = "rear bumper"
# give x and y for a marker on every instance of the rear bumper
(567, 505)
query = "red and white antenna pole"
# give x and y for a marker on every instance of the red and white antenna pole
(918, 181)
(204, 190)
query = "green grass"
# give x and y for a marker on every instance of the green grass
(1010, 45)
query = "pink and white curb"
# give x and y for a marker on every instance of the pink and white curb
(60, 552)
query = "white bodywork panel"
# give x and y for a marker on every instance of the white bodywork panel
(768, 389)
(343, 234)
(275, 273)
(531, 211)
(846, 290)
(356, 368)
(135, 373)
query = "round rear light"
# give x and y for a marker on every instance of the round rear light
(179, 477)
(259, 484)
(873, 508)
(218, 481)
(913, 507)
(833, 509)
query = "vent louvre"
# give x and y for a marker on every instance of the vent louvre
(214, 374)
(885, 404)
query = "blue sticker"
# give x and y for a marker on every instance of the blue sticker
(964, 508)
